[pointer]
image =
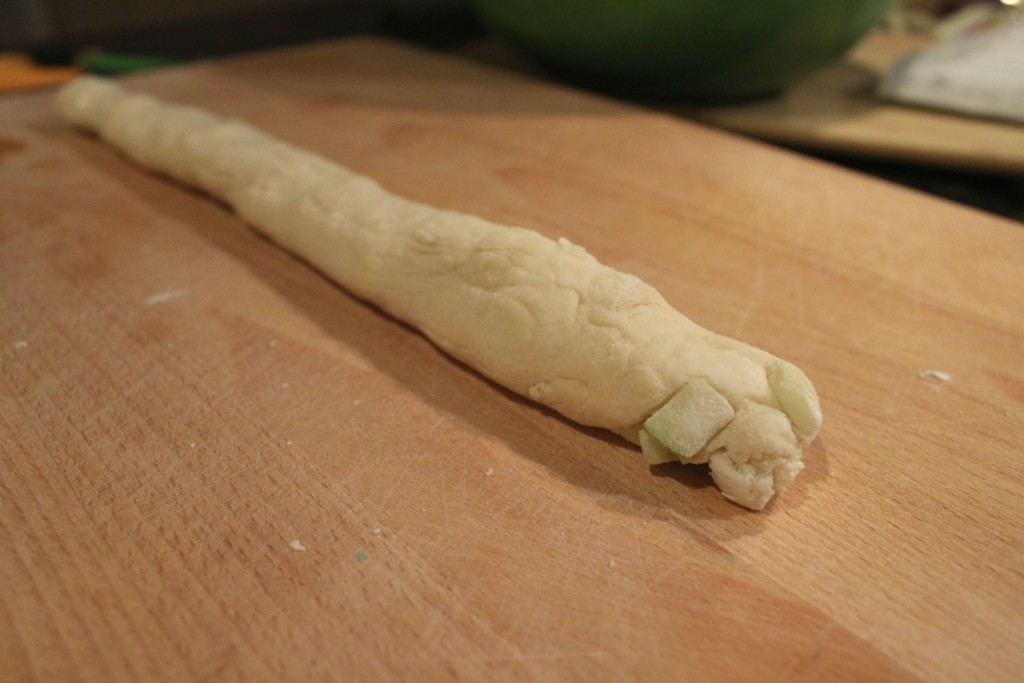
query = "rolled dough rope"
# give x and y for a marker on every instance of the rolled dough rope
(539, 316)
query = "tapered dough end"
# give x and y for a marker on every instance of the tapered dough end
(755, 456)
(85, 100)
(754, 450)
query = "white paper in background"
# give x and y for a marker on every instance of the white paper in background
(980, 71)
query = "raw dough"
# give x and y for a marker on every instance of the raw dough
(539, 316)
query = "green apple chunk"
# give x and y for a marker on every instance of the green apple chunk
(654, 452)
(799, 401)
(690, 418)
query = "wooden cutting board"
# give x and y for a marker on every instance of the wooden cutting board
(218, 465)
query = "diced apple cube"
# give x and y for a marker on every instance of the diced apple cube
(654, 452)
(799, 401)
(690, 418)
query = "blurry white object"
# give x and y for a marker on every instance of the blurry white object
(980, 70)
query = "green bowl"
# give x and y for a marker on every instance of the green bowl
(695, 49)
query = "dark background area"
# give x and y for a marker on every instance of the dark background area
(62, 31)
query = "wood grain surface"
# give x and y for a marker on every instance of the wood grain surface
(218, 465)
